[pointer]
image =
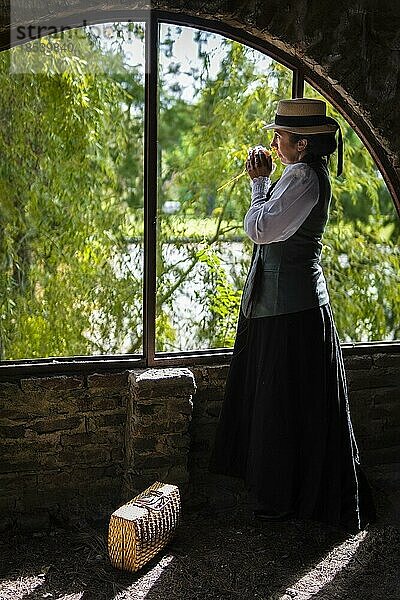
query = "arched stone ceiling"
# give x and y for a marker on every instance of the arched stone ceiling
(349, 50)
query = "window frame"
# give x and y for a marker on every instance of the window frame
(150, 358)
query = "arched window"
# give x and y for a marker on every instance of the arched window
(123, 196)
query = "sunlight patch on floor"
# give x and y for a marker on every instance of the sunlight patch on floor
(142, 586)
(325, 571)
(17, 589)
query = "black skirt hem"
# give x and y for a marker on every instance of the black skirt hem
(285, 426)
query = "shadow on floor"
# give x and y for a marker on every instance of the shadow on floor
(212, 557)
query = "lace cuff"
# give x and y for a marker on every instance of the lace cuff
(259, 188)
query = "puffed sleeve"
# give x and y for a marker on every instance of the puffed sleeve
(291, 201)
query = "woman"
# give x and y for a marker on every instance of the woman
(285, 425)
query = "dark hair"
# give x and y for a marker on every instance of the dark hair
(319, 145)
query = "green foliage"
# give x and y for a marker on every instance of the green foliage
(361, 254)
(71, 202)
(363, 268)
(223, 301)
(63, 222)
(226, 120)
(361, 238)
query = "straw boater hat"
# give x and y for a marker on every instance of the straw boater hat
(307, 116)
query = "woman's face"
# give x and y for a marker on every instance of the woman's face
(287, 151)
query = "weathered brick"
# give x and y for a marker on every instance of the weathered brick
(373, 378)
(173, 443)
(112, 382)
(12, 431)
(28, 448)
(33, 521)
(385, 377)
(153, 383)
(93, 455)
(33, 500)
(199, 446)
(145, 443)
(56, 383)
(19, 464)
(213, 408)
(177, 474)
(361, 398)
(151, 461)
(9, 391)
(178, 425)
(385, 476)
(391, 436)
(200, 375)
(353, 363)
(180, 405)
(77, 439)
(380, 456)
(90, 465)
(68, 403)
(151, 411)
(203, 431)
(15, 482)
(105, 402)
(387, 412)
(21, 405)
(117, 455)
(10, 483)
(387, 360)
(42, 439)
(106, 420)
(7, 507)
(54, 479)
(388, 395)
(58, 424)
(210, 377)
(41, 404)
(98, 492)
(358, 380)
(113, 471)
(67, 477)
(102, 436)
(217, 374)
(203, 397)
(135, 483)
(371, 429)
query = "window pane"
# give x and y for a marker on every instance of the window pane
(361, 253)
(71, 185)
(214, 97)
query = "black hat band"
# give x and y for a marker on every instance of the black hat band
(307, 121)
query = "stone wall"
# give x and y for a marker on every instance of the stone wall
(62, 445)
(74, 447)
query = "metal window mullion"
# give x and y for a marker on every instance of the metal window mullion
(150, 188)
(297, 84)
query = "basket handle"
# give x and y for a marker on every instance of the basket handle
(154, 500)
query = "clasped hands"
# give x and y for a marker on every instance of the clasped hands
(259, 163)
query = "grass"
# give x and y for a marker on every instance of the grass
(194, 228)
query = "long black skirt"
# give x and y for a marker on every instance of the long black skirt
(285, 425)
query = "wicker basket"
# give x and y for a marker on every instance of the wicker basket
(143, 526)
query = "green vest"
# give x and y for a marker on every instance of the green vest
(286, 277)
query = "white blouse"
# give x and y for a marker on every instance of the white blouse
(291, 201)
